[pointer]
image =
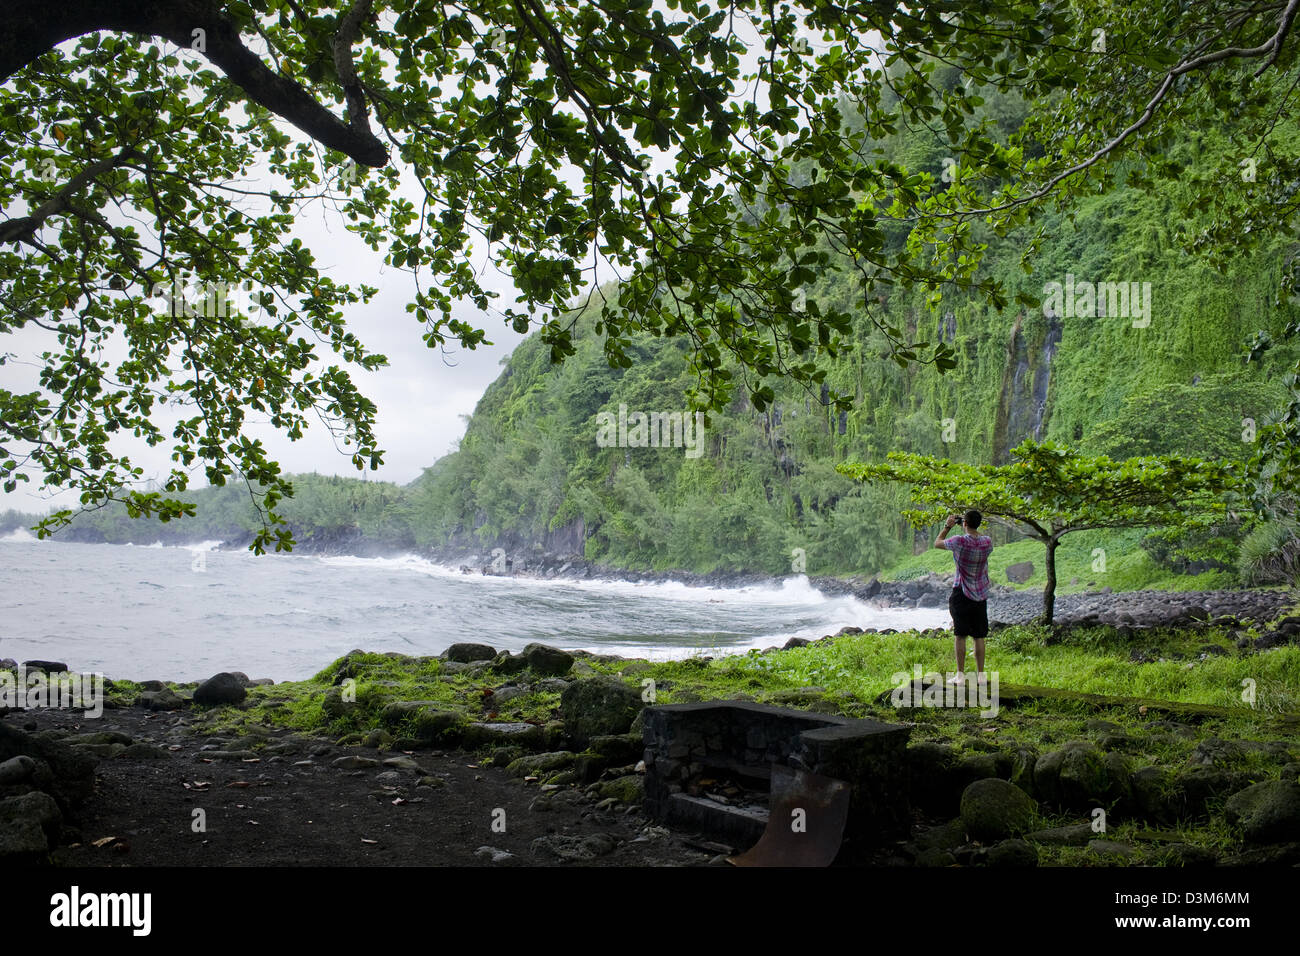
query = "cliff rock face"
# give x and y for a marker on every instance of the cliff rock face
(1026, 383)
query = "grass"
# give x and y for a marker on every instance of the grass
(849, 674)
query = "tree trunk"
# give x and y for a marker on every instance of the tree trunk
(1049, 592)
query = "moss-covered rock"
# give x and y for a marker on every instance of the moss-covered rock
(1152, 789)
(993, 809)
(628, 789)
(1267, 812)
(1194, 792)
(537, 764)
(597, 707)
(1078, 776)
(334, 704)
(518, 734)
(425, 720)
(1076, 835)
(980, 766)
(1016, 853)
(946, 836)
(1022, 769)
(1112, 851)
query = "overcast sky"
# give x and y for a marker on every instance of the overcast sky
(422, 395)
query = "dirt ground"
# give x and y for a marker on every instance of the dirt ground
(295, 808)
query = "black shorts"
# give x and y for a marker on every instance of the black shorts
(969, 618)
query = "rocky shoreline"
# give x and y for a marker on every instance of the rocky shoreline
(1007, 605)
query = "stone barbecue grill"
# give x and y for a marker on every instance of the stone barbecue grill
(709, 766)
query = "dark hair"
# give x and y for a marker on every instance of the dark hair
(973, 519)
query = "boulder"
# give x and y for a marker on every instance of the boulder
(547, 661)
(577, 849)
(946, 836)
(1193, 790)
(468, 653)
(145, 751)
(49, 667)
(535, 764)
(26, 823)
(221, 689)
(17, 770)
(334, 705)
(503, 695)
(1277, 854)
(1021, 572)
(1076, 835)
(992, 809)
(354, 762)
(626, 789)
(405, 763)
(980, 766)
(162, 699)
(596, 706)
(479, 734)
(1267, 812)
(1111, 850)
(1011, 853)
(1076, 776)
(1022, 769)
(935, 857)
(65, 772)
(99, 737)
(1151, 788)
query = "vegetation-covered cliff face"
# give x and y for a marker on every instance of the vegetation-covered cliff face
(530, 470)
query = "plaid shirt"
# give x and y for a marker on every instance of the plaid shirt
(971, 554)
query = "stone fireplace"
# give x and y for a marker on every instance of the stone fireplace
(709, 766)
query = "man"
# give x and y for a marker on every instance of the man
(968, 602)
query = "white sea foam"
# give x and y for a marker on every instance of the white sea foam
(202, 545)
(795, 593)
(19, 535)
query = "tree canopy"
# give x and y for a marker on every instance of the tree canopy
(1050, 491)
(715, 158)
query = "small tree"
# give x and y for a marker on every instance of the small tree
(1049, 491)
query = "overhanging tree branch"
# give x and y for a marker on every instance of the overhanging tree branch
(36, 26)
(23, 228)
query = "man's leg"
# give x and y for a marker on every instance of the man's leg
(979, 655)
(958, 627)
